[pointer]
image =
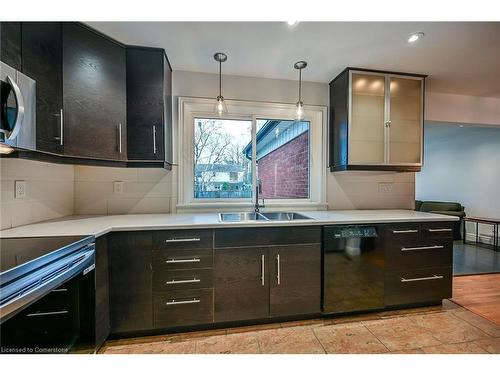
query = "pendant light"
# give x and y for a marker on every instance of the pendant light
(220, 105)
(299, 65)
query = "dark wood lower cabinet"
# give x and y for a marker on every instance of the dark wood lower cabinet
(241, 284)
(130, 279)
(295, 280)
(102, 323)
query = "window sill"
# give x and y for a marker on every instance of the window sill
(245, 206)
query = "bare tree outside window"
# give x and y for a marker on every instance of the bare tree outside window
(221, 169)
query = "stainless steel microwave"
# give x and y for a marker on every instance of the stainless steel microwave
(17, 109)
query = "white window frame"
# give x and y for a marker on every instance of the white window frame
(190, 108)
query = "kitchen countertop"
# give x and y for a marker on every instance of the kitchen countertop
(100, 225)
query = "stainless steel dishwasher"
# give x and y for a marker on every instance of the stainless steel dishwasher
(353, 269)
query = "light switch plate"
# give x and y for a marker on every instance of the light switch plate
(118, 187)
(385, 187)
(20, 189)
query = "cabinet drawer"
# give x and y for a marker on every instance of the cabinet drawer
(183, 239)
(403, 233)
(178, 259)
(418, 286)
(183, 307)
(421, 254)
(164, 281)
(438, 230)
(242, 237)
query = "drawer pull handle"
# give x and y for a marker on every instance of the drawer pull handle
(174, 302)
(193, 260)
(433, 247)
(262, 269)
(182, 240)
(405, 231)
(278, 274)
(194, 280)
(440, 230)
(62, 312)
(435, 277)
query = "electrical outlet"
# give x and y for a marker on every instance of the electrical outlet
(385, 187)
(20, 189)
(118, 187)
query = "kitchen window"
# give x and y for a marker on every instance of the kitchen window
(223, 159)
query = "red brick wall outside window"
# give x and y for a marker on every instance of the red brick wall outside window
(285, 171)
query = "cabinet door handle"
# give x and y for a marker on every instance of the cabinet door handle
(172, 282)
(435, 277)
(405, 231)
(170, 240)
(174, 302)
(154, 139)
(278, 273)
(262, 269)
(62, 312)
(440, 230)
(422, 248)
(61, 127)
(192, 260)
(120, 138)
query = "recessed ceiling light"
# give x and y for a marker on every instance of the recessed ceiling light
(415, 36)
(292, 23)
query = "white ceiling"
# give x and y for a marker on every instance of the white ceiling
(460, 58)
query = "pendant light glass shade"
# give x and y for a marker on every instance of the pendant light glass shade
(220, 104)
(299, 115)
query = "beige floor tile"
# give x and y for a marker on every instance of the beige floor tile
(447, 328)
(238, 343)
(401, 334)
(491, 345)
(294, 340)
(162, 347)
(348, 339)
(483, 324)
(254, 328)
(460, 348)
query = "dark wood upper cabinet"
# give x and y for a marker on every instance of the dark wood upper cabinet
(241, 284)
(295, 280)
(167, 100)
(130, 281)
(42, 61)
(94, 84)
(145, 104)
(10, 44)
(376, 120)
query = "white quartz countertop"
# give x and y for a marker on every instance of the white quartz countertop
(100, 225)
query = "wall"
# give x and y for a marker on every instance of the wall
(285, 171)
(147, 190)
(462, 164)
(462, 109)
(49, 192)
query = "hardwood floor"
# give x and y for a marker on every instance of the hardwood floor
(479, 294)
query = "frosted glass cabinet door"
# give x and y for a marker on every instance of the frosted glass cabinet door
(366, 139)
(405, 131)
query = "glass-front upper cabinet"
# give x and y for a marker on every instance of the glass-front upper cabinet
(405, 120)
(376, 120)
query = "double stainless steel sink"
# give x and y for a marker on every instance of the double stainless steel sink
(262, 216)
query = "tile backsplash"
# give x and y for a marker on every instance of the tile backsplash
(144, 190)
(54, 191)
(370, 190)
(49, 192)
